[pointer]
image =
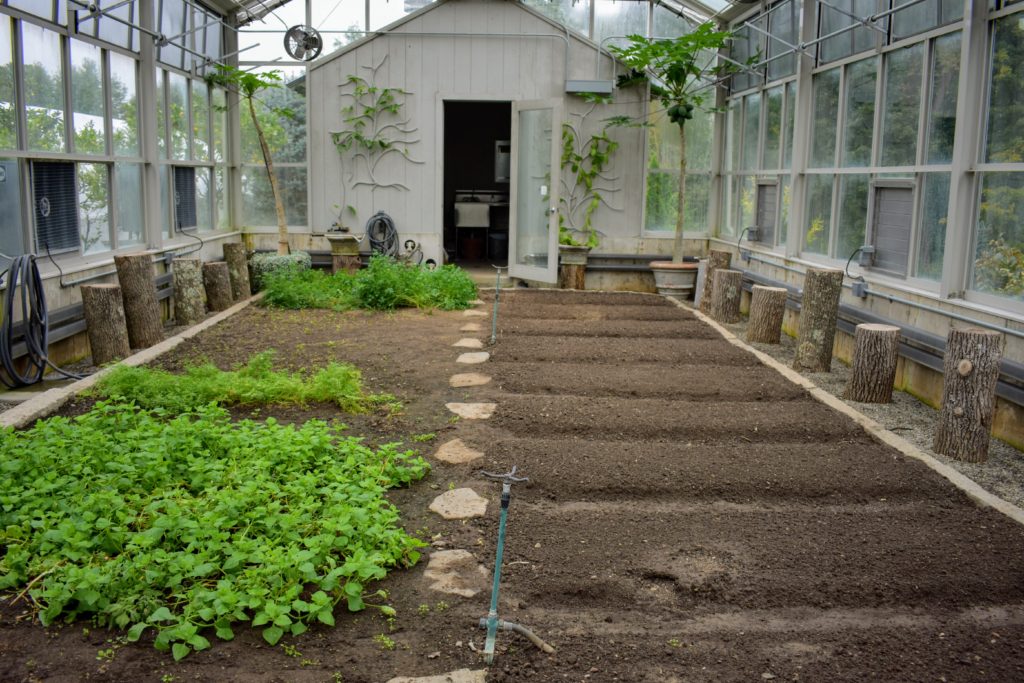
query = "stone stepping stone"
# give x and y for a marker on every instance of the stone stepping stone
(472, 411)
(456, 572)
(470, 327)
(477, 302)
(468, 379)
(473, 358)
(459, 676)
(469, 343)
(470, 313)
(462, 503)
(456, 452)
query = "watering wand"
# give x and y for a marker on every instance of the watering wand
(491, 621)
(494, 318)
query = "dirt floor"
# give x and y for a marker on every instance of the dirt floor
(690, 516)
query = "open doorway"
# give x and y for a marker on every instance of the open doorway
(477, 157)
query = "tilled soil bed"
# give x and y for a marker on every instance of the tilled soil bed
(690, 516)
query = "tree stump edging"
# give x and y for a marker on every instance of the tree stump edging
(189, 306)
(105, 323)
(819, 310)
(767, 310)
(138, 294)
(875, 355)
(237, 258)
(970, 372)
(716, 259)
(218, 285)
(725, 295)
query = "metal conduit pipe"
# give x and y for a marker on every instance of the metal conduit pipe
(922, 347)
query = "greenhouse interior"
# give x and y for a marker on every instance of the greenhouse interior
(708, 313)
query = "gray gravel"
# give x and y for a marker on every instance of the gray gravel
(913, 420)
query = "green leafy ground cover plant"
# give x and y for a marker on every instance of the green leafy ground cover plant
(189, 525)
(256, 382)
(384, 285)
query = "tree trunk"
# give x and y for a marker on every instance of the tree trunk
(971, 369)
(767, 307)
(725, 295)
(349, 264)
(238, 270)
(138, 291)
(189, 308)
(818, 312)
(104, 317)
(874, 363)
(268, 162)
(677, 242)
(716, 259)
(218, 285)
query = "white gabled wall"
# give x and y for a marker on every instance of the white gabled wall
(434, 68)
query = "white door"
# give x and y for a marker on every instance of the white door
(533, 195)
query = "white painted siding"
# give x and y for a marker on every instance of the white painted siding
(434, 68)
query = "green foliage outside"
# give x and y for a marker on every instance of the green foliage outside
(261, 265)
(254, 383)
(183, 527)
(384, 286)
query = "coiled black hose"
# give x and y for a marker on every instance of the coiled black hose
(24, 274)
(382, 234)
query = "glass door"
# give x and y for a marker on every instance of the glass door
(533, 216)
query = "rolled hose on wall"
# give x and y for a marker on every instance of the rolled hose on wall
(382, 234)
(24, 274)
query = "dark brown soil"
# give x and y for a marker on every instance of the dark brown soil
(690, 516)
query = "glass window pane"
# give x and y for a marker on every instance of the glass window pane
(219, 114)
(787, 141)
(177, 103)
(860, 113)
(165, 200)
(733, 132)
(826, 113)
(853, 214)
(285, 136)
(748, 202)
(212, 48)
(613, 18)
(223, 219)
(87, 98)
(931, 238)
(39, 8)
(745, 44)
(575, 15)
(93, 207)
(258, 202)
(999, 248)
(923, 16)
(836, 15)
(8, 114)
(751, 123)
(668, 23)
(204, 200)
(44, 88)
(662, 200)
(784, 21)
(772, 128)
(384, 13)
(129, 204)
(1006, 106)
(819, 214)
(942, 112)
(699, 140)
(727, 226)
(172, 23)
(125, 105)
(161, 113)
(786, 192)
(902, 98)
(200, 122)
(698, 193)
(114, 31)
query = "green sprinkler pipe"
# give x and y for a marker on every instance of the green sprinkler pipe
(494, 318)
(492, 614)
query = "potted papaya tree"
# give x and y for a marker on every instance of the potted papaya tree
(682, 72)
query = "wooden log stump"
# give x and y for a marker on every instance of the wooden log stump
(218, 285)
(971, 369)
(767, 307)
(349, 264)
(716, 259)
(238, 270)
(725, 295)
(138, 292)
(875, 348)
(189, 307)
(818, 312)
(104, 318)
(572, 276)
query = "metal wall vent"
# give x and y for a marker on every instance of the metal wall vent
(185, 197)
(55, 206)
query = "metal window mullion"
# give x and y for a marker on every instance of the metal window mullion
(837, 152)
(69, 124)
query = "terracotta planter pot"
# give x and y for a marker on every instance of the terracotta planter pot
(676, 280)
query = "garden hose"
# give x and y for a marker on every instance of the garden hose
(382, 234)
(24, 273)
